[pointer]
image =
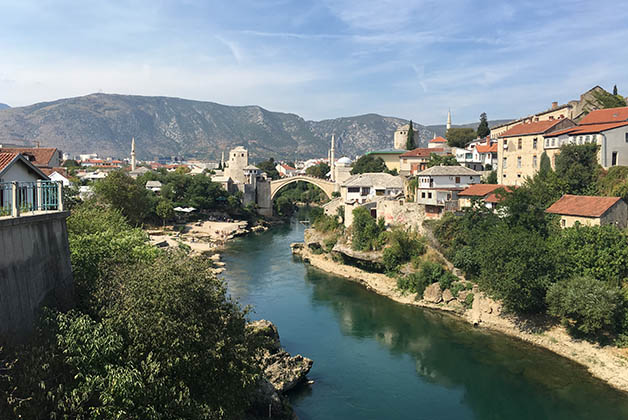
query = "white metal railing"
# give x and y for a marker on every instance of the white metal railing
(20, 198)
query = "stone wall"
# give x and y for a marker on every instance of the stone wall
(403, 213)
(35, 266)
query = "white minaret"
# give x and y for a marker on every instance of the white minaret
(448, 119)
(133, 154)
(222, 161)
(332, 161)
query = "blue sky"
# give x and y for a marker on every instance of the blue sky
(319, 59)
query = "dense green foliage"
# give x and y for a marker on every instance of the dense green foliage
(604, 99)
(460, 137)
(577, 166)
(365, 230)
(270, 167)
(483, 129)
(402, 247)
(428, 273)
(154, 336)
(318, 171)
(125, 194)
(368, 163)
(299, 192)
(445, 160)
(410, 143)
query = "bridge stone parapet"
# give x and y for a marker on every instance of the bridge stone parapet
(265, 203)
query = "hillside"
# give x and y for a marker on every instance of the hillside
(164, 126)
(4, 106)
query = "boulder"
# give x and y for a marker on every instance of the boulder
(285, 371)
(266, 332)
(462, 295)
(433, 294)
(448, 296)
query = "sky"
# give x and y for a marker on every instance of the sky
(319, 59)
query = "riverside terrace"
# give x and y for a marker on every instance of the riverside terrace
(18, 199)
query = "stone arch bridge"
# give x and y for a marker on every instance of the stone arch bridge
(265, 204)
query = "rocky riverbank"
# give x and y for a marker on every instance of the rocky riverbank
(607, 363)
(281, 373)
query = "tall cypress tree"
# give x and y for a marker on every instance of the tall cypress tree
(410, 144)
(615, 90)
(483, 129)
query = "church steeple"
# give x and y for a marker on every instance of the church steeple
(133, 154)
(449, 119)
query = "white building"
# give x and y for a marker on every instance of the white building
(154, 186)
(365, 187)
(285, 170)
(439, 186)
(56, 176)
(478, 155)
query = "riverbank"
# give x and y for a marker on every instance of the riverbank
(607, 363)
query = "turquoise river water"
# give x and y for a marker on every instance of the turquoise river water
(377, 359)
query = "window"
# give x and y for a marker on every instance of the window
(429, 195)
(614, 159)
(457, 180)
(626, 137)
(553, 141)
(519, 144)
(353, 189)
(504, 163)
(366, 190)
(534, 141)
(519, 162)
(534, 161)
(546, 142)
(380, 192)
(562, 222)
(579, 139)
(423, 194)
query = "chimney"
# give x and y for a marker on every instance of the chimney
(554, 105)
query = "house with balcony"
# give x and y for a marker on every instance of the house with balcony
(438, 188)
(369, 186)
(414, 161)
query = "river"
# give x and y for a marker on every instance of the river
(377, 359)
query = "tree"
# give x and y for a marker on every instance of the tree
(615, 90)
(318, 171)
(545, 165)
(368, 163)
(268, 166)
(365, 230)
(410, 143)
(460, 137)
(165, 210)
(70, 163)
(491, 178)
(126, 194)
(577, 166)
(483, 129)
(444, 160)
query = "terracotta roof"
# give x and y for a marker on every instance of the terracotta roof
(6, 159)
(494, 198)
(606, 116)
(485, 148)
(480, 190)
(448, 170)
(287, 167)
(536, 127)
(42, 155)
(582, 205)
(59, 170)
(589, 128)
(438, 140)
(422, 152)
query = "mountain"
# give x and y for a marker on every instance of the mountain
(441, 129)
(4, 106)
(163, 126)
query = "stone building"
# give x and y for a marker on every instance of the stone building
(439, 187)
(238, 160)
(401, 137)
(590, 211)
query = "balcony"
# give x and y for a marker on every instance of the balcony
(18, 199)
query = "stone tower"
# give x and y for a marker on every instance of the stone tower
(133, 163)
(448, 119)
(238, 160)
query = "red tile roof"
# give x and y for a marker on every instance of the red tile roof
(422, 152)
(536, 127)
(606, 116)
(6, 159)
(582, 205)
(288, 167)
(480, 190)
(438, 140)
(494, 198)
(589, 128)
(41, 155)
(485, 148)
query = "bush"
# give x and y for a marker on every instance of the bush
(414, 283)
(330, 243)
(468, 301)
(324, 223)
(365, 230)
(403, 247)
(589, 306)
(446, 279)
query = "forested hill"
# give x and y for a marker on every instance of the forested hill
(163, 126)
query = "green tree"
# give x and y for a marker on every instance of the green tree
(615, 90)
(365, 230)
(410, 143)
(319, 171)
(165, 210)
(587, 305)
(368, 163)
(577, 166)
(491, 178)
(268, 166)
(125, 194)
(284, 207)
(70, 163)
(460, 137)
(444, 160)
(545, 165)
(483, 129)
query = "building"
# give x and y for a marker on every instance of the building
(59, 177)
(439, 186)
(607, 128)
(389, 156)
(154, 186)
(365, 187)
(590, 211)
(487, 194)
(21, 188)
(285, 170)
(479, 155)
(342, 170)
(42, 157)
(415, 161)
(519, 149)
(400, 138)
(438, 143)
(488, 154)
(238, 160)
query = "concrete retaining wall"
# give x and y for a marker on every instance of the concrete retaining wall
(34, 266)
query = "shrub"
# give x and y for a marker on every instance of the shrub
(446, 279)
(414, 283)
(365, 230)
(330, 243)
(588, 305)
(403, 247)
(468, 301)
(457, 288)
(324, 223)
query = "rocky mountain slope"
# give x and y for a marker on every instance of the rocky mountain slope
(4, 106)
(163, 126)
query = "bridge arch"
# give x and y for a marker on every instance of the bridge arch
(327, 186)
